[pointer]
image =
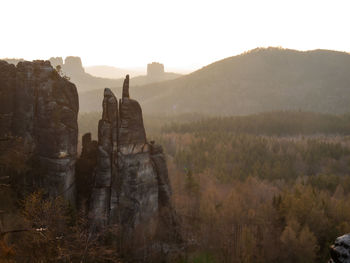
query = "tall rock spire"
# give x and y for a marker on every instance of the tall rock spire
(106, 168)
(126, 87)
(131, 187)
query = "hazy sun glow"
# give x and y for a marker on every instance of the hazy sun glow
(181, 34)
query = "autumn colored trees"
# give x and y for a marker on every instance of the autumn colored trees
(268, 197)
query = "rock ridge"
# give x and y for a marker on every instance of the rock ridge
(40, 107)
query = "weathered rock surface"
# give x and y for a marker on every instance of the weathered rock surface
(119, 179)
(340, 250)
(168, 229)
(106, 168)
(41, 107)
(131, 186)
(85, 171)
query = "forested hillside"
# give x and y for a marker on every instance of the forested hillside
(271, 187)
(255, 81)
(268, 187)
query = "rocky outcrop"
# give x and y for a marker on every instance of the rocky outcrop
(340, 250)
(73, 65)
(131, 186)
(155, 70)
(120, 179)
(138, 194)
(41, 108)
(168, 228)
(13, 61)
(56, 61)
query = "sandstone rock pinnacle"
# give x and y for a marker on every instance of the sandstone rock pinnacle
(131, 187)
(126, 87)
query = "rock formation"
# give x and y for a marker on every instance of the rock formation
(73, 65)
(56, 61)
(155, 70)
(340, 250)
(41, 108)
(131, 186)
(106, 168)
(120, 179)
(13, 61)
(138, 194)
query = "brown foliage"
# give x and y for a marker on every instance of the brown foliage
(56, 234)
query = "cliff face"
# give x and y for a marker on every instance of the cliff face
(131, 186)
(120, 179)
(41, 108)
(73, 68)
(340, 250)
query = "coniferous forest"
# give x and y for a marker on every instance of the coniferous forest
(269, 187)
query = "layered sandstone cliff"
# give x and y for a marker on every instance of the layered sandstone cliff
(130, 178)
(40, 107)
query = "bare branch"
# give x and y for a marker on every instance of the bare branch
(13, 231)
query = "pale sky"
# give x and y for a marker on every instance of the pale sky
(184, 34)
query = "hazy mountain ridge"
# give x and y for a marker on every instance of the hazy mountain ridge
(111, 72)
(255, 81)
(73, 68)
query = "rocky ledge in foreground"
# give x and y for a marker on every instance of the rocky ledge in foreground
(340, 250)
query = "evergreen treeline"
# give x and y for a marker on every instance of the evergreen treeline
(272, 187)
(269, 123)
(229, 156)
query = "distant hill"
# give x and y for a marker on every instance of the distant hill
(111, 72)
(256, 81)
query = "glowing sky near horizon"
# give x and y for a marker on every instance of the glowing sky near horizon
(184, 34)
